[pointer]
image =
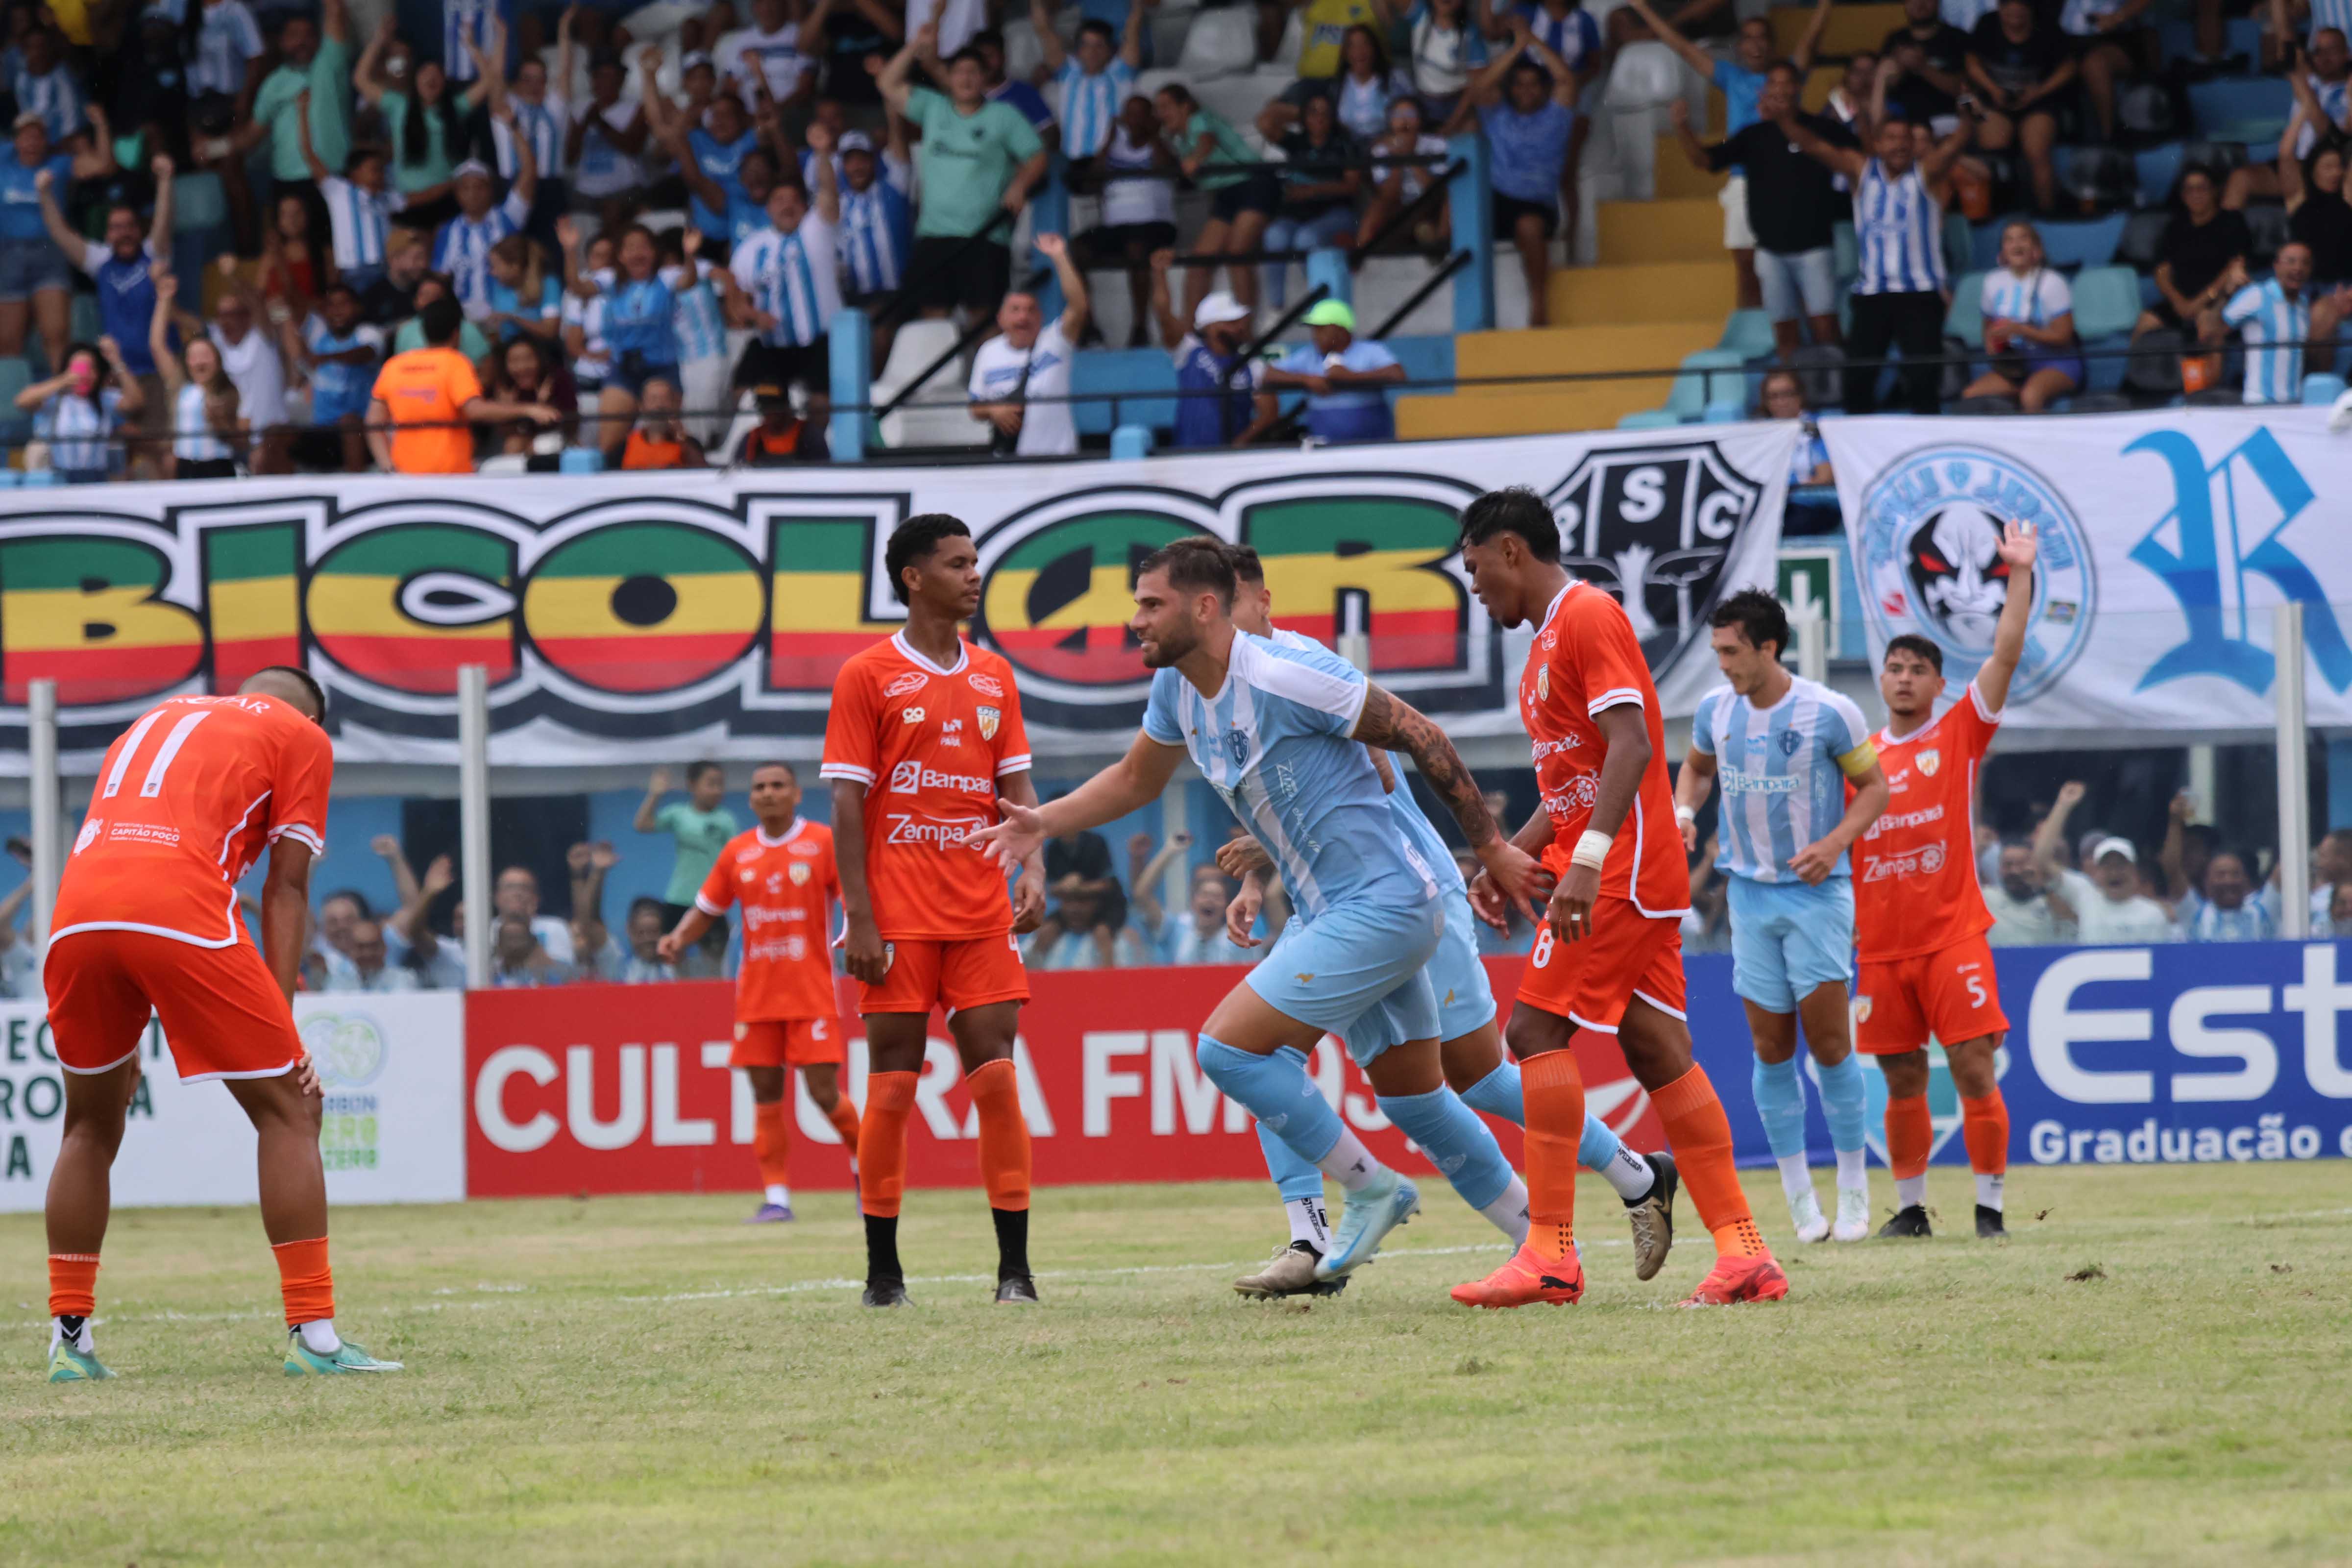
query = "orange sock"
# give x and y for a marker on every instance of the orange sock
(1700, 1136)
(1554, 1109)
(843, 1116)
(305, 1280)
(1984, 1127)
(1910, 1135)
(73, 1284)
(882, 1143)
(771, 1144)
(1004, 1134)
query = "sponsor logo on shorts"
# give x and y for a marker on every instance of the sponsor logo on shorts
(910, 776)
(1862, 1009)
(913, 680)
(986, 685)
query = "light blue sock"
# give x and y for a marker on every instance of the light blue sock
(1498, 1094)
(1598, 1146)
(1845, 1103)
(1780, 1102)
(1277, 1091)
(1456, 1142)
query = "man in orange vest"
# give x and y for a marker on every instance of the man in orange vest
(424, 399)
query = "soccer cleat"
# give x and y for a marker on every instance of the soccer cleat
(771, 1214)
(1736, 1279)
(1018, 1291)
(1805, 1214)
(1365, 1218)
(1652, 1216)
(1907, 1222)
(1854, 1215)
(1988, 1225)
(1290, 1272)
(1525, 1281)
(885, 1293)
(301, 1360)
(69, 1364)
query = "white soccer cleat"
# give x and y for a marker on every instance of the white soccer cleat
(1854, 1215)
(1805, 1214)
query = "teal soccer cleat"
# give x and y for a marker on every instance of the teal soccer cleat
(301, 1360)
(1365, 1219)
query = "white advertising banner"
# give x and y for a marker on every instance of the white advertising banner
(393, 1070)
(2168, 539)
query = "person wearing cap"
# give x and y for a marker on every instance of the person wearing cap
(877, 215)
(420, 416)
(2110, 909)
(1217, 404)
(781, 437)
(1344, 378)
(462, 248)
(35, 277)
(1021, 377)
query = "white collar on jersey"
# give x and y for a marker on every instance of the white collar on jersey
(963, 655)
(1557, 599)
(789, 834)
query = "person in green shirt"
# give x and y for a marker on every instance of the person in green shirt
(314, 57)
(980, 159)
(700, 825)
(425, 125)
(470, 340)
(1244, 196)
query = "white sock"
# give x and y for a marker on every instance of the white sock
(1510, 1211)
(1308, 1222)
(1352, 1164)
(319, 1336)
(82, 1340)
(1629, 1175)
(1910, 1191)
(780, 1196)
(1988, 1191)
(1796, 1177)
(1850, 1170)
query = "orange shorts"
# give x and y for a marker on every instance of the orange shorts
(788, 1042)
(223, 1014)
(952, 975)
(1949, 992)
(1590, 982)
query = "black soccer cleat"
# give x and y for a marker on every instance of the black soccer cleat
(1908, 1223)
(1988, 1225)
(1016, 1290)
(884, 1293)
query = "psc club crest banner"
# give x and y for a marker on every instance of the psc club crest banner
(631, 614)
(2168, 541)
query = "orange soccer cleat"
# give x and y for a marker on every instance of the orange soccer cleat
(1528, 1278)
(1736, 1279)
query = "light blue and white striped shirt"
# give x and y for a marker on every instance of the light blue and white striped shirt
(544, 125)
(1900, 226)
(55, 96)
(192, 440)
(80, 430)
(1571, 36)
(227, 37)
(1966, 14)
(2250, 921)
(2038, 299)
(2273, 328)
(795, 278)
(462, 249)
(1275, 742)
(878, 229)
(1782, 773)
(2335, 14)
(2335, 100)
(702, 333)
(360, 219)
(1090, 104)
(466, 22)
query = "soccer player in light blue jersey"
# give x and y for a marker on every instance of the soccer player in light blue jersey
(1470, 1045)
(1784, 748)
(1281, 733)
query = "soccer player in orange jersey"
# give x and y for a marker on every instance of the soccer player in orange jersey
(1919, 918)
(925, 735)
(782, 874)
(146, 920)
(1608, 957)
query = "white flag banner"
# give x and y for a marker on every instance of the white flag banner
(2168, 541)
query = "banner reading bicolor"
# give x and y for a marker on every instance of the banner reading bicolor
(2168, 539)
(626, 611)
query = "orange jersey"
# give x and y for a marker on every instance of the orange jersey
(1914, 870)
(187, 800)
(929, 745)
(785, 886)
(1586, 659)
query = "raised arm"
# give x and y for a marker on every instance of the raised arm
(827, 197)
(1946, 152)
(1130, 48)
(159, 229)
(1049, 42)
(1057, 249)
(893, 82)
(2018, 549)
(566, 51)
(1847, 161)
(159, 329)
(1563, 79)
(1698, 58)
(367, 77)
(61, 232)
(1809, 44)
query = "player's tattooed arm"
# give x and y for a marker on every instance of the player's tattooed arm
(862, 952)
(1388, 724)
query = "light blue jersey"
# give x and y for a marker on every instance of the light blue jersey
(2273, 328)
(1782, 771)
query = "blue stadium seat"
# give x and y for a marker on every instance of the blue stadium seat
(1710, 375)
(2321, 388)
(2159, 170)
(2090, 242)
(1958, 242)
(198, 202)
(1965, 320)
(15, 429)
(1724, 413)
(1747, 334)
(1648, 419)
(1845, 255)
(85, 325)
(2237, 109)
(1429, 358)
(2106, 301)
(1140, 371)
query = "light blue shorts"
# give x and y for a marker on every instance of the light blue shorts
(1358, 971)
(1466, 1001)
(1788, 937)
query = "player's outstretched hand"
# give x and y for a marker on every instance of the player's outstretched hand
(1487, 901)
(1815, 861)
(1028, 901)
(1016, 838)
(1519, 875)
(1241, 915)
(1239, 856)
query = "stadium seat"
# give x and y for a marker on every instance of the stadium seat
(15, 429)
(2143, 239)
(1702, 382)
(1169, 26)
(2089, 243)
(1747, 333)
(1648, 419)
(936, 417)
(198, 202)
(1965, 320)
(1222, 42)
(1955, 242)
(1845, 255)
(2218, 158)
(2321, 388)
(2239, 108)
(1724, 412)
(1139, 371)
(2106, 301)
(1984, 244)
(2160, 171)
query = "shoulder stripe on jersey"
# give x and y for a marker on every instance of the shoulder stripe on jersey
(247, 816)
(300, 835)
(1615, 697)
(707, 908)
(1312, 687)
(849, 771)
(1990, 715)
(131, 743)
(1019, 764)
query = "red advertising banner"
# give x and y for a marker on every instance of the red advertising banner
(625, 1088)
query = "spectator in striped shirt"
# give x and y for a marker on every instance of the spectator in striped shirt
(542, 117)
(44, 85)
(2274, 319)
(229, 41)
(2029, 325)
(524, 297)
(701, 321)
(788, 283)
(358, 211)
(878, 217)
(462, 249)
(1095, 78)
(471, 30)
(79, 410)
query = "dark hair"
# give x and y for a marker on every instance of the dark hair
(302, 678)
(1788, 68)
(1194, 564)
(773, 763)
(414, 146)
(642, 902)
(358, 899)
(1518, 510)
(1758, 617)
(1180, 92)
(1912, 642)
(992, 38)
(339, 286)
(913, 540)
(967, 53)
(1248, 567)
(696, 770)
(1379, 48)
(1101, 30)
(442, 320)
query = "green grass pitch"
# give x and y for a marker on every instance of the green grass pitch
(2156, 1367)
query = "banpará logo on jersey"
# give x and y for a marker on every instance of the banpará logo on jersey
(988, 717)
(1929, 560)
(1653, 528)
(1929, 761)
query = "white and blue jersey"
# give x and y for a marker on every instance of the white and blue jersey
(362, 221)
(878, 229)
(1573, 35)
(340, 389)
(465, 22)
(2326, 13)
(228, 39)
(794, 277)
(55, 96)
(544, 125)
(719, 162)
(1900, 228)
(1090, 104)
(1782, 771)
(462, 249)
(2273, 328)
(702, 333)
